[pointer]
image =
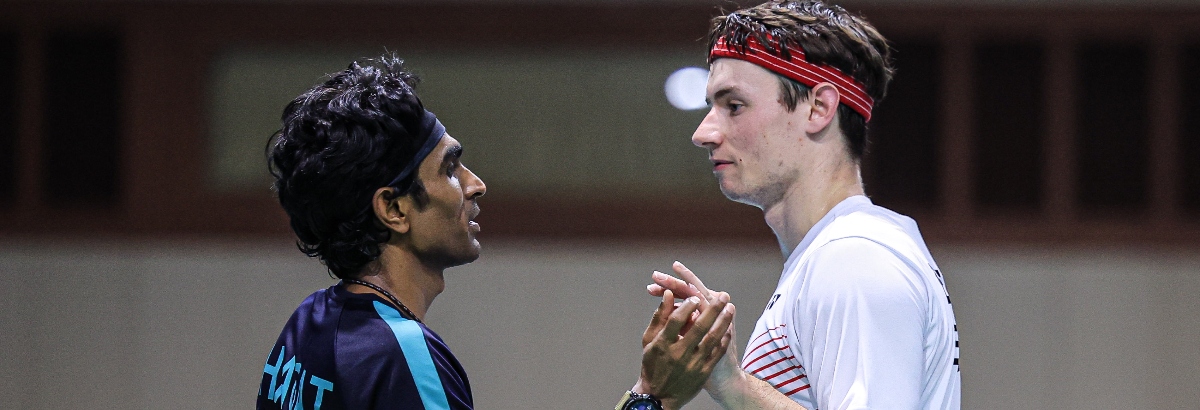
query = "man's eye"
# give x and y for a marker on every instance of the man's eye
(735, 107)
(451, 169)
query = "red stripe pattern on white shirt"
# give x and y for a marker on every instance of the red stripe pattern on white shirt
(769, 358)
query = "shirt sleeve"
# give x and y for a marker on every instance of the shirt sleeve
(859, 327)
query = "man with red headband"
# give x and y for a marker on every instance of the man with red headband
(860, 318)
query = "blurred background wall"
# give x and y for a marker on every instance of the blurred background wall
(1049, 151)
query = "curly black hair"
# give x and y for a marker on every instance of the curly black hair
(828, 34)
(340, 142)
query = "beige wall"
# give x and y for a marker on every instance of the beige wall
(149, 325)
(521, 114)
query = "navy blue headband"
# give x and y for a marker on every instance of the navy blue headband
(434, 130)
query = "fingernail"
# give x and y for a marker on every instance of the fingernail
(657, 275)
(724, 297)
(677, 263)
(648, 288)
(694, 299)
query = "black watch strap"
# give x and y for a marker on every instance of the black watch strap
(638, 401)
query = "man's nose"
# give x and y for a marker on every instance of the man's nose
(707, 132)
(474, 185)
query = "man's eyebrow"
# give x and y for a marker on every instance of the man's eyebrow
(718, 95)
(723, 92)
(453, 153)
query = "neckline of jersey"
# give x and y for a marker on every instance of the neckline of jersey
(844, 207)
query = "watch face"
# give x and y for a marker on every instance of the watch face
(642, 404)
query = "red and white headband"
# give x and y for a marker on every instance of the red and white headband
(853, 94)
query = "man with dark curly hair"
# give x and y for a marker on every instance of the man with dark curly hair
(375, 188)
(860, 317)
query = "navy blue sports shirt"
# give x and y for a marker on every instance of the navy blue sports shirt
(345, 350)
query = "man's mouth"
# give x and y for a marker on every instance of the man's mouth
(471, 218)
(719, 165)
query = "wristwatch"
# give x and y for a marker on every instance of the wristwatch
(638, 401)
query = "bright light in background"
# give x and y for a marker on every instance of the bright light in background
(685, 88)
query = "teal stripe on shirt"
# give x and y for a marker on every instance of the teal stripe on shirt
(416, 353)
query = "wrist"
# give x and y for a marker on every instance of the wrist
(642, 388)
(727, 390)
(639, 387)
(634, 400)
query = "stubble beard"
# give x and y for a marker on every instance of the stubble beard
(449, 255)
(445, 258)
(770, 191)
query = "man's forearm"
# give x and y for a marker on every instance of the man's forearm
(746, 392)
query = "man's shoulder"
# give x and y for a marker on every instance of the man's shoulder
(873, 223)
(865, 242)
(383, 335)
(346, 325)
(312, 315)
(370, 328)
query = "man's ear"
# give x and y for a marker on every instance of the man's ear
(392, 211)
(823, 107)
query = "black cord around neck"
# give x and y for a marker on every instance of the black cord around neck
(385, 293)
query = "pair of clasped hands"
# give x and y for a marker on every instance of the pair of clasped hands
(686, 342)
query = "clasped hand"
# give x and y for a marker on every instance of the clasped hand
(684, 342)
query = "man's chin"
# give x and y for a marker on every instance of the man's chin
(472, 253)
(450, 258)
(476, 249)
(732, 192)
(739, 196)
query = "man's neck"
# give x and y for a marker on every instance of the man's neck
(403, 274)
(809, 200)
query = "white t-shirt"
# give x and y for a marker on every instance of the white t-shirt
(860, 319)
